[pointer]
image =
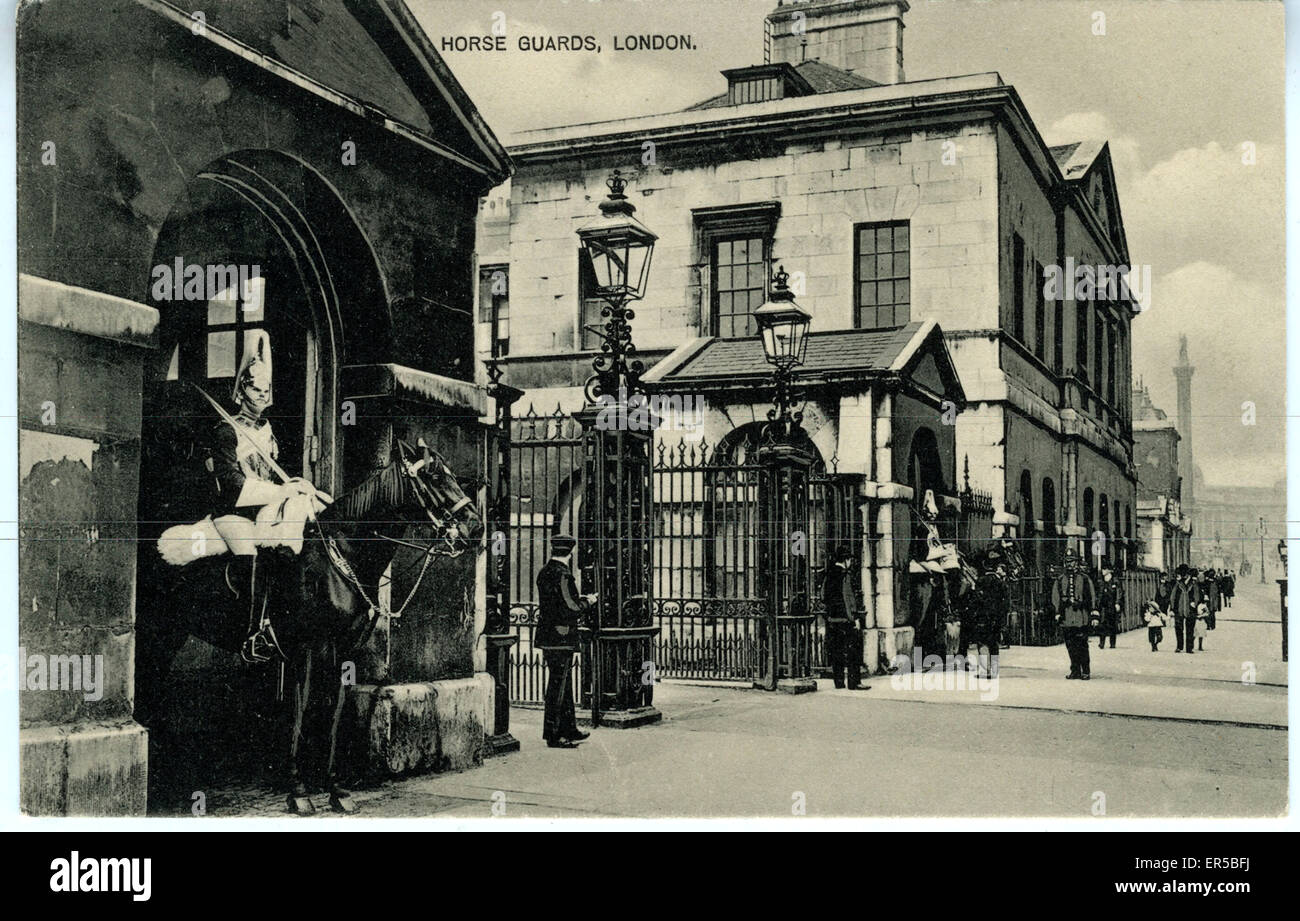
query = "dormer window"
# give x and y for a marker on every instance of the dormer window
(764, 82)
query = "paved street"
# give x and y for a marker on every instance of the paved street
(1158, 734)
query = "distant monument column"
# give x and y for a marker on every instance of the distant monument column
(1183, 374)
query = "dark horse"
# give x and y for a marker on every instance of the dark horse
(321, 601)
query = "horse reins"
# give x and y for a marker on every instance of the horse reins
(340, 563)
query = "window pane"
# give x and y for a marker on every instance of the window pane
(884, 241)
(724, 252)
(867, 294)
(900, 236)
(254, 297)
(902, 264)
(741, 250)
(867, 267)
(903, 291)
(885, 292)
(756, 279)
(724, 278)
(885, 265)
(221, 310)
(221, 354)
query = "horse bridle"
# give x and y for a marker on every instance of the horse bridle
(410, 470)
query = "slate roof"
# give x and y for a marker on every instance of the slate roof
(823, 78)
(1076, 159)
(322, 39)
(372, 51)
(853, 352)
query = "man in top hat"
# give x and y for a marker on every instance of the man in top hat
(1110, 602)
(559, 611)
(1074, 599)
(1183, 599)
(843, 640)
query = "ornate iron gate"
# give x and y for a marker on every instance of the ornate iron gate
(716, 574)
(546, 454)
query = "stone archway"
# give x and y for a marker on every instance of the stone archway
(302, 271)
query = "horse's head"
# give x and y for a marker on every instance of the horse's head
(453, 514)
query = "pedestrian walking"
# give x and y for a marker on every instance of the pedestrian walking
(1074, 599)
(1154, 618)
(1110, 602)
(843, 637)
(1226, 587)
(1183, 599)
(559, 611)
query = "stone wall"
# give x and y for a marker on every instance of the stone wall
(79, 461)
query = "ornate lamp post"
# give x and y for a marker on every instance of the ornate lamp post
(497, 633)
(614, 527)
(786, 658)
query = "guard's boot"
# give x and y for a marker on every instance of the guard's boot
(261, 645)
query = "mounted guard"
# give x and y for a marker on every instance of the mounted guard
(259, 511)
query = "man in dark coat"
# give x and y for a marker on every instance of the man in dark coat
(1110, 602)
(1183, 599)
(559, 611)
(1074, 599)
(989, 608)
(843, 639)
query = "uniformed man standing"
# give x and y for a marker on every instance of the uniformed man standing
(843, 641)
(559, 609)
(1074, 599)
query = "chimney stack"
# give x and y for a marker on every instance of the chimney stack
(861, 36)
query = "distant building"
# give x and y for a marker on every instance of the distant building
(1164, 531)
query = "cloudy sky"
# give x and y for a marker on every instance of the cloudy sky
(1176, 88)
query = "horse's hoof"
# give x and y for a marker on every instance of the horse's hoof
(300, 805)
(342, 801)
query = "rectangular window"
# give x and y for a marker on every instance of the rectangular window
(883, 275)
(740, 270)
(588, 308)
(233, 315)
(1040, 314)
(1018, 287)
(494, 306)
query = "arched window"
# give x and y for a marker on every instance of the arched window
(1103, 525)
(1087, 513)
(1051, 540)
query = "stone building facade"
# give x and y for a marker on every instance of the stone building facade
(1164, 529)
(326, 143)
(889, 203)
